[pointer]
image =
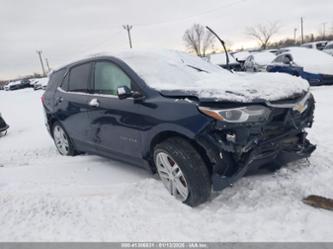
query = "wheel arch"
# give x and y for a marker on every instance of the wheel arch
(164, 135)
(50, 122)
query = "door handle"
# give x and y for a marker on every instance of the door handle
(94, 103)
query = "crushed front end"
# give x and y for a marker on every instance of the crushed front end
(272, 133)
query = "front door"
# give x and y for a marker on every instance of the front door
(115, 124)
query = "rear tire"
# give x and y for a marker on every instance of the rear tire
(62, 141)
(176, 157)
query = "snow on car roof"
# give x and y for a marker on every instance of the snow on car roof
(221, 59)
(263, 57)
(16, 82)
(242, 55)
(312, 60)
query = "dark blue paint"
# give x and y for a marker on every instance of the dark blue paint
(122, 129)
(313, 79)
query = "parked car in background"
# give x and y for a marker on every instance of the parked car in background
(13, 85)
(258, 61)
(319, 45)
(220, 59)
(41, 83)
(240, 57)
(329, 48)
(193, 122)
(310, 64)
(18, 84)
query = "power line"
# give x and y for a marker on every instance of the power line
(194, 16)
(168, 22)
(103, 42)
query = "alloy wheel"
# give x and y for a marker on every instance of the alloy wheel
(172, 176)
(61, 140)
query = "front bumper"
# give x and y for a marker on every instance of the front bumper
(282, 150)
(236, 149)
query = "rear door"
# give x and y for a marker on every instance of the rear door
(114, 124)
(71, 101)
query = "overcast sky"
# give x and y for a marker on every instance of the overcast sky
(66, 29)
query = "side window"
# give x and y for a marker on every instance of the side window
(79, 78)
(287, 59)
(56, 79)
(64, 85)
(279, 59)
(108, 77)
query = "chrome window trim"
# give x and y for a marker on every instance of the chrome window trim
(91, 94)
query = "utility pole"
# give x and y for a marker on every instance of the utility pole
(324, 30)
(39, 52)
(295, 35)
(128, 29)
(302, 30)
(47, 64)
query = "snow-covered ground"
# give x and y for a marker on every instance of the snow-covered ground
(47, 197)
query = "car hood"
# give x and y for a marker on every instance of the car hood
(242, 87)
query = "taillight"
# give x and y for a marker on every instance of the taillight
(42, 99)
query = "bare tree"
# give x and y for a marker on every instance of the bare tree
(263, 33)
(198, 40)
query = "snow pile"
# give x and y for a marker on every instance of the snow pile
(172, 70)
(312, 60)
(48, 197)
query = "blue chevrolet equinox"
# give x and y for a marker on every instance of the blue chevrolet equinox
(196, 125)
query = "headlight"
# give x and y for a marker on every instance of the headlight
(252, 113)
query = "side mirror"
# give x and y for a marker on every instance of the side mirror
(124, 92)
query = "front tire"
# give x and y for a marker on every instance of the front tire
(62, 141)
(182, 171)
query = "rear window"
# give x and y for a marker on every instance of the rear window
(79, 78)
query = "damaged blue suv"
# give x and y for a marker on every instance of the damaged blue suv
(196, 125)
